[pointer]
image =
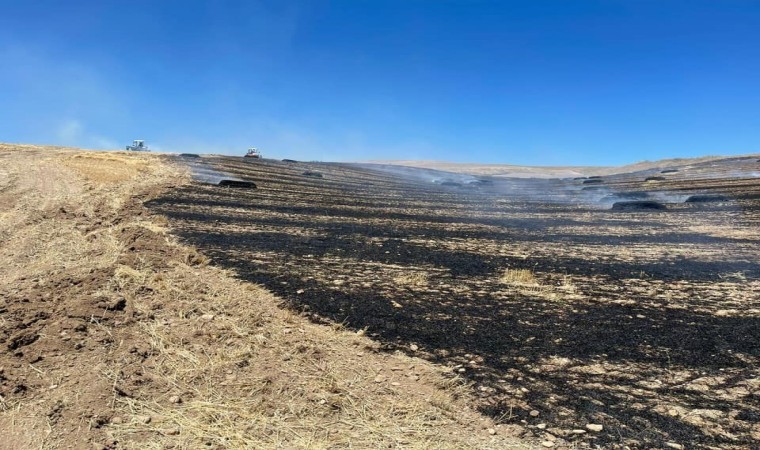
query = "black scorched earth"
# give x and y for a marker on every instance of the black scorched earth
(629, 301)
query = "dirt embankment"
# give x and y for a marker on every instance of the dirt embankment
(113, 335)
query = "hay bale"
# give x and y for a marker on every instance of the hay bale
(638, 205)
(579, 178)
(669, 171)
(289, 160)
(706, 198)
(189, 155)
(312, 174)
(238, 184)
(654, 179)
(593, 181)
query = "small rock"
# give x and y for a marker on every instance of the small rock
(175, 399)
(579, 431)
(395, 383)
(173, 431)
(116, 420)
(491, 431)
(534, 413)
(673, 445)
(548, 444)
(207, 317)
(541, 426)
(414, 347)
(594, 427)
(300, 291)
(380, 378)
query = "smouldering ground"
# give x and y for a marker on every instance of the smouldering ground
(561, 312)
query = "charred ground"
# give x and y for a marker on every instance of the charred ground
(646, 322)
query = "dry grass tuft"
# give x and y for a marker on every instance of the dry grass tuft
(413, 279)
(524, 277)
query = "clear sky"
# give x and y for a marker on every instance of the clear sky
(526, 82)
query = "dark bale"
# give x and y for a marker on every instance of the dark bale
(654, 179)
(289, 160)
(669, 171)
(309, 173)
(639, 205)
(238, 184)
(189, 155)
(595, 177)
(579, 178)
(707, 198)
(593, 181)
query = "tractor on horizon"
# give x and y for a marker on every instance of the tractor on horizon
(138, 146)
(253, 153)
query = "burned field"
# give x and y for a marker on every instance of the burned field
(563, 312)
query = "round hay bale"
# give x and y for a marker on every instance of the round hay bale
(654, 179)
(579, 178)
(312, 174)
(706, 198)
(289, 160)
(189, 155)
(593, 181)
(238, 184)
(638, 205)
(669, 171)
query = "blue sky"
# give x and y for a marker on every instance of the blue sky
(525, 82)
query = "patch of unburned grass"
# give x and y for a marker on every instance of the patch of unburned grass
(524, 277)
(412, 279)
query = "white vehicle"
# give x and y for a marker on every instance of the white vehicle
(138, 146)
(253, 153)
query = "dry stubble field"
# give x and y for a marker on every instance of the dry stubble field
(560, 313)
(115, 335)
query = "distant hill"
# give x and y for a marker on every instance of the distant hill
(509, 170)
